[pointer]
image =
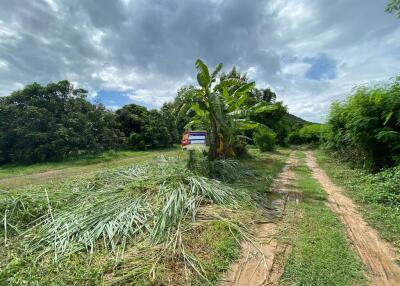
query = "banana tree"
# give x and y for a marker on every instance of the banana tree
(220, 107)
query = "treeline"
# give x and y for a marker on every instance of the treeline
(54, 122)
(41, 123)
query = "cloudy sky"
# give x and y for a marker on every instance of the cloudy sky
(309, 52)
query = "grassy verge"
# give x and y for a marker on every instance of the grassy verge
(152, 223)
(321, 254)
(13, 176)
(85, 160)
(377, 194)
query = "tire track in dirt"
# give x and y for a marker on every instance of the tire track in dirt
(256, 265)
(377, 255)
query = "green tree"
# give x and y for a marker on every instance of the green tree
(147, 129)
(168, 116)
(39, 123)
(393, 7)
(220, 108)
(274, 118)
(132, 118)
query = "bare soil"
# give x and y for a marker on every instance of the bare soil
(378, 256)
(257, 265)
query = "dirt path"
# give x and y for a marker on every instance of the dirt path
(256, 265)
(377, 255)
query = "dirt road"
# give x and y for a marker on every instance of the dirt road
(256, 265)
(377, 255)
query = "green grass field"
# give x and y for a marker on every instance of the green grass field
(13, 176)
(321, 254)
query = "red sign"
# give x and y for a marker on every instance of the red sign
(194, 138)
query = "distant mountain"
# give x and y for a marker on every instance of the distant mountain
(295, 122)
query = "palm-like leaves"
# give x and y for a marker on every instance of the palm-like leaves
(220, 107)
(203, 76)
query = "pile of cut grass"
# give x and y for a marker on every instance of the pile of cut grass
(137, 225)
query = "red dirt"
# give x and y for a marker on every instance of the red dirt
(377, 255)
(256, 265)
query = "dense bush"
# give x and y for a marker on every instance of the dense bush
(276, 120)
(309, 134)
(295, 138)
(265, 139)
(383, 187)
(147, 128)
(365, 129)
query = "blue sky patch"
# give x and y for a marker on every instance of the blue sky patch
(322, 67)
(116, 99)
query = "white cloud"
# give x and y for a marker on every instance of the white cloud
(297, 69)
(53, 5)
(113, 107)
(148, 50)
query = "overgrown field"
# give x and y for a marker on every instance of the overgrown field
(13, 176)
(321, 253)
(110, 157)
(146, 224)
(377, 194)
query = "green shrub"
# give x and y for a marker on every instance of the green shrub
(383, 187)
(265, 140)
(312, 133)
(309, 134)
(295, 138)
(365, 129)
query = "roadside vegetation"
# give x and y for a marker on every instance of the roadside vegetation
(320, 252)
(110, 157)
(377, 194)
(365, 129)
(312, 134)
(361, 152)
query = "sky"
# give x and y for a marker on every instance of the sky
(141, 51)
